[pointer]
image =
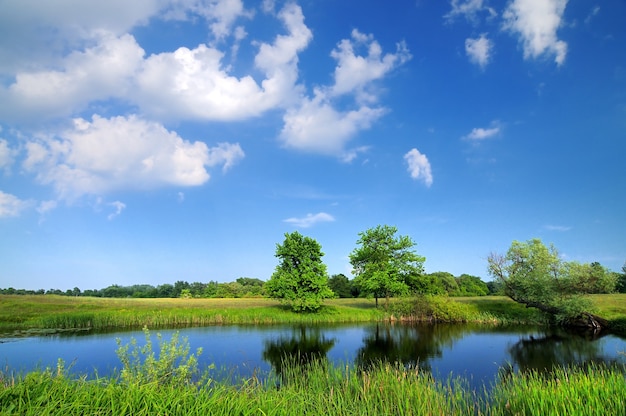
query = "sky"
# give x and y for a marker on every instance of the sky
(152, 141)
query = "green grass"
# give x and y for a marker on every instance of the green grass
(322, 390)
(20, 313)
(61, 312)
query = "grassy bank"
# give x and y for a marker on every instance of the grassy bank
(384, 390)
(61, 312)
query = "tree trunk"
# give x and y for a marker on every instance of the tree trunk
(585, 320)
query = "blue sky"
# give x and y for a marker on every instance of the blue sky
(163, 140)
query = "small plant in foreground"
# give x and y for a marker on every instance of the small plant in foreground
(174, 366)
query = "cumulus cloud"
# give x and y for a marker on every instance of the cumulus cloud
(317, 125)
(536, 23)
(481, 133)
(103, 71)
(11, 206)
(121, 153)
(354, 72)
(36, 34)
(479, 50)
(194, 84)
(419, 166)
(310, 219)
(188, 83)
(469, 9)
(221, 15)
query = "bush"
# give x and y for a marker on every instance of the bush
(432, 308)
(174, 366)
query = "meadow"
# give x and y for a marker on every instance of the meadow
(52, 312)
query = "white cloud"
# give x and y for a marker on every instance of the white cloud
(310, 220)
(354, 72)
(118, 207)
(469, 9)
(183, 84)
(222, 14)
(121, 153)
(536, 22)
(594, 12)
(479, 50)
(35, 34)
(46, 206)
(6, 155)
(316, 126)
(11, 206)
(100, 72)
(193, 83)
(480, 133)
(227, 154)
(419, 166)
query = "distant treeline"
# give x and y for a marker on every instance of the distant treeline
(438, 283)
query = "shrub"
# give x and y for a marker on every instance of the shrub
(174, 366)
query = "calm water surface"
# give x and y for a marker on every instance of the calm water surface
(473, 352)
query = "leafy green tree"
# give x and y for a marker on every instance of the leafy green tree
(229, 290)
(384, 264)
(165, 290)
(251, 287)
(197, 289)
(341, 286)
(534, 275)
(300, 279)
(591, 278)
(471, 286)
(620, 285)
(179, 286)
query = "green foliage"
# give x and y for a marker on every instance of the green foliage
(590, 278)
(300, 279)
(341, 286)
(384, 263)
(535, 275)
(471, 286)
(384, 389)
(620, 284)
(173, 366)
(433, 308)
(431, 284)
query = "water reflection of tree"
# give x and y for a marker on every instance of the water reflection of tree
(407, 345)
(545, 351)
(305, 346)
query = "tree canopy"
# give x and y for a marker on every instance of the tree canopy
(535, 275)
(385, 263)
(300, 279)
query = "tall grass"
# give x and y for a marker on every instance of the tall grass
(320, 389)
(61, 312)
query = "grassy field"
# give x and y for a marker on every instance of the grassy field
(62, 312)
(19, 313)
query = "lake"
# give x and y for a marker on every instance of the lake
(474, 352)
